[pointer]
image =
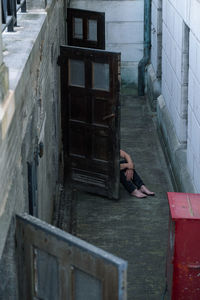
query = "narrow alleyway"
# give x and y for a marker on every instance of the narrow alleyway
(133, 229)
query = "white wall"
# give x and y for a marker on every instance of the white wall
(172, 68)
(124, 31)
(156, 36)
(185, 115)
(193, 151)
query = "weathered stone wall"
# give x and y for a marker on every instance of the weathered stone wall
(29, 115)
(178, 107)
(124, 31)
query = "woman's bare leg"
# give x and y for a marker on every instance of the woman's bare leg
(146, 191)
(137, 193)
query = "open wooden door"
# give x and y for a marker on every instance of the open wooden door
(86, 28)
(90, 83)
(54, 265)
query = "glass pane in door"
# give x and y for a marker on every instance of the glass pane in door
(101, 76)
(86, 286)
(92, 30)
(78, 28)
(76, 72)
(46, 275)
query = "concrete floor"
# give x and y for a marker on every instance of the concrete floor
(133, 229)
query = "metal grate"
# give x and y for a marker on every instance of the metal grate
(9, 13)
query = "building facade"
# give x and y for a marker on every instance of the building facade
(174, 74)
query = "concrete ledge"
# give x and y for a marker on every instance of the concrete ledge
(3, 82)
(6, 114)
(19, 44)
(153, 87)
(175, 152)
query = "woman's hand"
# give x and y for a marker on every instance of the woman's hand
(129, 174)
(130, 165)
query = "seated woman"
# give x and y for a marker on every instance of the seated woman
(130, 179)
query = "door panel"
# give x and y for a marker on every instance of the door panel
(53, 265)
(86, 28)
(90, 118)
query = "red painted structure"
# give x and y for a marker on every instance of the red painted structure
(183, 260)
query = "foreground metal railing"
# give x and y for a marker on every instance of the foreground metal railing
(9, 13)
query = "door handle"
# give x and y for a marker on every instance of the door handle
(108, 117)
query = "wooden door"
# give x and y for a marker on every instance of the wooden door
(90, 118)
(86, 28)
(55, 265)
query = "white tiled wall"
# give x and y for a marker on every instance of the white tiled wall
(124, 30)
(176, 13)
